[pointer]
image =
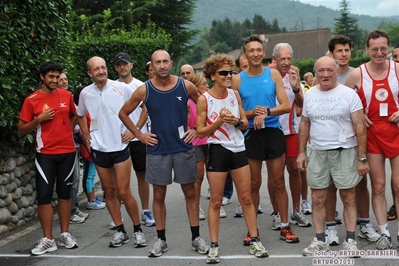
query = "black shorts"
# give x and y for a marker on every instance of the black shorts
(265, 143)
(223, 160)
(108, 159)
(138, 153)
(51, 169)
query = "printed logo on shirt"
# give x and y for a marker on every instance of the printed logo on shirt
(46, 107)
(179, 98)
(214, 116)
(232, 102)
(63, 105)
(381, 94)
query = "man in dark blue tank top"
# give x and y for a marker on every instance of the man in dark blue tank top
(168, 144)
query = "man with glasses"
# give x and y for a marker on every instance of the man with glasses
(186, 71)
(259, 89)
(378, 87)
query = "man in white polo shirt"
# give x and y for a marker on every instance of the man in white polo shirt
(102, 100)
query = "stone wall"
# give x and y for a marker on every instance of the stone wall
(18, 188)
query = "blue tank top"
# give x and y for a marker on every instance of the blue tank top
(168, 112)
(259, 90)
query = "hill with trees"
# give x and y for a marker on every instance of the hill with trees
(291, 15)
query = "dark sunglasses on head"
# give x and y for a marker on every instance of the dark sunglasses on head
(225, 72)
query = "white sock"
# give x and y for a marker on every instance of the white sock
(284, 225)
(384, 229)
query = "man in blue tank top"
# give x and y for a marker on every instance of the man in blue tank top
(168, 144)
(259, 89)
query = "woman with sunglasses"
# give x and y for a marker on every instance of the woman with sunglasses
(221, 117)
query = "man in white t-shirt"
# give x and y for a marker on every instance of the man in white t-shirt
(333, 119)
(123, 65)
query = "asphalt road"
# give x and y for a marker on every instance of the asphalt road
(93, 237)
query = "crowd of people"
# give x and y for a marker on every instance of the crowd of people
(330, 134)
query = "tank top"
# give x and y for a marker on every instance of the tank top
(227, 135)
(373, 93)
(259, 90)
(289, 121)
(168, 112)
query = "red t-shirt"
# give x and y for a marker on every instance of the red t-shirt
(53, 136)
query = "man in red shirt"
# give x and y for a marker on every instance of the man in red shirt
(50, 110)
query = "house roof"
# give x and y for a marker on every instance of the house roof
(307, 44)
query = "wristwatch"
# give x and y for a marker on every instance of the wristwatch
(295, 91)
(362, 160)
(239, 123)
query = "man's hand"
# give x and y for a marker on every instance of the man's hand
(302, 161)
(190, 135)
(46, 115)
(127, 136)
(362, 168)
(148, 139)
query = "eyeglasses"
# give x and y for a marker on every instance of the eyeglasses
(225, 72)
(382, 49)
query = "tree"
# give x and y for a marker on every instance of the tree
(346, 24)
(31, 32)
(171, 15)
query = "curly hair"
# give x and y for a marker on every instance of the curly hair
(212, 64)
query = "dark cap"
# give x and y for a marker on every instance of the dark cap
(122, 57)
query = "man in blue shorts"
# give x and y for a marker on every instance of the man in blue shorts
(108, 145)
(168, 144)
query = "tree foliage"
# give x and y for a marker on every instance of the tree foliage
(346, 24)
(31, 32)
(171, 15)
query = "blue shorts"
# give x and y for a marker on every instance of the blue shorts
(108, 159)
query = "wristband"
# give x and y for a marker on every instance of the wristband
(295, 91)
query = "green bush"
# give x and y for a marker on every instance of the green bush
(31, 32)
(139, 44)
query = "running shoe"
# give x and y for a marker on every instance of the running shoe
(351, 245)
(119, 239)
(260, 210)
(44, 245)
(76, 219)
(208, 195)
(82, 214)
(201, 213)
(276, 223)
(95, 205)
(222, 213)
(306, 208)
(288, 235)
(146, 218)
(247, 240)
(384, 242)
(226, 201)
(238, 213)
(199, 245)
(159, 247)
(213, 255)
(258, 249)
(391, 215)
(368, 232)
(67, 241)
(316, 245)
(332, 235)
(139, 240)
(298, 218)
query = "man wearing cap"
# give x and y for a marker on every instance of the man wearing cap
(107, 140)
(123, 65)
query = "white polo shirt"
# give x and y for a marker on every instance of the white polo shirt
(103, 106)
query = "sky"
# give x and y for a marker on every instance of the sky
(383, 8)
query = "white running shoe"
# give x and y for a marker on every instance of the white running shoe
(67, 241)
(332, 235)
(44, 245)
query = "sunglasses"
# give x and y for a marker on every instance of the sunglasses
(225, 72)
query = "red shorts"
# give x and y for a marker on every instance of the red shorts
(383, 138)
(291, 141)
